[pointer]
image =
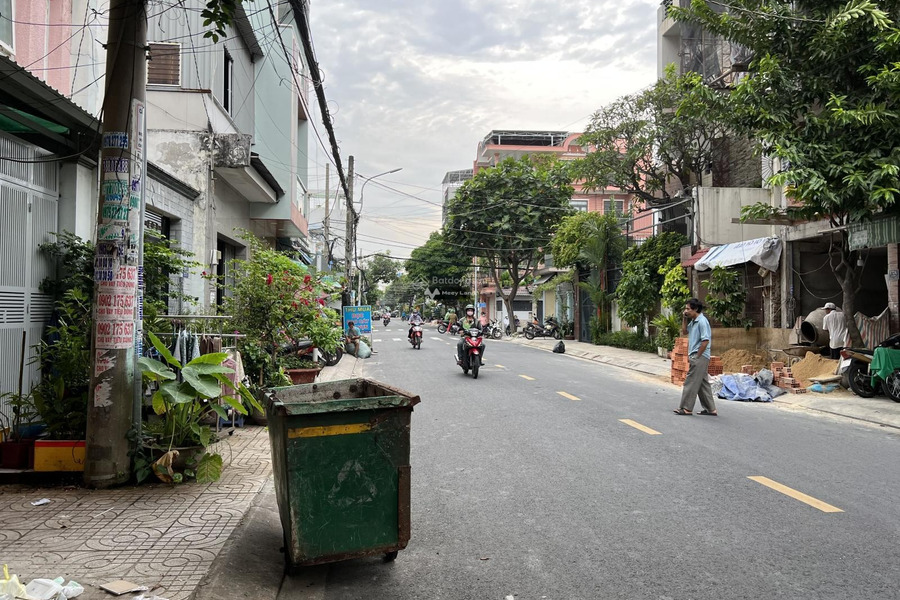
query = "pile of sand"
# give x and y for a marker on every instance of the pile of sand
(733, 360)
(814, 365)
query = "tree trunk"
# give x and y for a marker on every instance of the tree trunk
(848, 276)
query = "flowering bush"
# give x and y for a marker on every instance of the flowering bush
(277, 302)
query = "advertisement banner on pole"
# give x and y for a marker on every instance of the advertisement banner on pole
(361, 317)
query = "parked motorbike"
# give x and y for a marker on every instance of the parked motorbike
(443, 326)
(855, 363)
(495, 331)
(416, 338)
(473, 346)
(550, 329)
(325, 359)
(509, 331)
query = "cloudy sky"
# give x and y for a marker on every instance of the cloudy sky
(416, 84)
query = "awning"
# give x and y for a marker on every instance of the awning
(765, 252)
(695, 257)
(874, 234)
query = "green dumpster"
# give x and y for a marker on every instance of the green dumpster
(340, 456)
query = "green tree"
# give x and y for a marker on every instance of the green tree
(674, 291)
(440, 268)
(636, 294)
(505, 216)
(643, 146)
(656, 252)
(822, 95)
(592, 241)
(727, 297)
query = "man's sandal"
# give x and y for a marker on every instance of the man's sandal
(706, 413)
(681, 411)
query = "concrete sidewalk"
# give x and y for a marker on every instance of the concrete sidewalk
(879, 410)
(160, 536)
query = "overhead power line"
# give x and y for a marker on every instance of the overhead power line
(306, 39)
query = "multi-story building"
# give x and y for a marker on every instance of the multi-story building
(227, 145)
(451, 182)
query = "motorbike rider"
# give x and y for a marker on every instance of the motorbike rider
(415, 318)
(465, 324)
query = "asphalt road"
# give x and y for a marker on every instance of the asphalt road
(527, 483)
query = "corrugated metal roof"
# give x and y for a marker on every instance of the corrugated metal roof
(695, 257)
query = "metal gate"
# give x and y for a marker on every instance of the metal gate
(28, 216)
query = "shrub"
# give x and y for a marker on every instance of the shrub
(628, 340)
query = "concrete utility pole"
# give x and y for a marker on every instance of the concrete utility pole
(350, 241)
(117, 335)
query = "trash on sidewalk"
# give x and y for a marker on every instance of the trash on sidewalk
(143, 597)
(10, 584)
(120, 586)
(52, 589)
(41, 502)
(559, 348)
(823, 388)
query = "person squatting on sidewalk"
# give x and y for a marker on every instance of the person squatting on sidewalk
(696, 383)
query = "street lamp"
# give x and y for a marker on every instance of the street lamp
(362, 190)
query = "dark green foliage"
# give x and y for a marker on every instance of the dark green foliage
(626, 339)
(436, 265)
(656, 251)
(727, 297)
(636, 295)
(505, 215)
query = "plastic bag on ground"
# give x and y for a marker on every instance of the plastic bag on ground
(10, 584)
(823, 388)
(765, 377)
(43, 589)
(364, 350)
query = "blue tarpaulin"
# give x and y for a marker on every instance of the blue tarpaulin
(742, 387)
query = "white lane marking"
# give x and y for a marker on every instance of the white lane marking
(437, 339)
(377, 340)
(395, 339)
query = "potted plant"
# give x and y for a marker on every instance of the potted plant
(61, 398)
(299, 368)
(667, 330)
(16, 447)
(185, 395)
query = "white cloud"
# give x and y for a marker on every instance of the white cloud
(418, 84)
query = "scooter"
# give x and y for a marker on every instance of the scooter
(416, 338)
(386, 320)
(550, 329)
(495, 331)
(473, 345)
(326, 359)
(855, 363)
(443, 327)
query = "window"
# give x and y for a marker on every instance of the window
(613, 206)
(6, 24)
(165, 64)
(227, 93)
(579, 205)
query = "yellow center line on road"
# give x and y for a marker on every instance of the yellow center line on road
(823, 506)
(527, 377)
(569, 396)
(640, 427)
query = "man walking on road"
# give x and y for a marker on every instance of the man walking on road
(836, 326)
(699, 351)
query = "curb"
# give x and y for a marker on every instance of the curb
(599, 358)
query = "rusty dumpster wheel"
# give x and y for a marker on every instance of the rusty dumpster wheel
(391, 556)
(891, 386)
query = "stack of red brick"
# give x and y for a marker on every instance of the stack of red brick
(680, 363)
(784, 379)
